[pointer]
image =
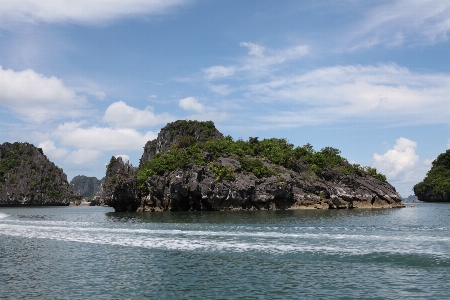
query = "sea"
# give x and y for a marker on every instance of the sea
(95, 253)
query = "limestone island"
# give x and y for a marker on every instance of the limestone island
(191, 166)
(28, 177)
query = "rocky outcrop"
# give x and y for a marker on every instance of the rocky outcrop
(197, 186)
(88, 187)
(172, 132)
(27, 177)
(121, 189)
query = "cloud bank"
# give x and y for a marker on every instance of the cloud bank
(81, 11)
(34, 97)
(399, 161)
(351, 93)
(401, 165)
(124, 116)
(96, 138)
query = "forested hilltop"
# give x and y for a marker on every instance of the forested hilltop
(436, 185)
(192, 166)
(27, 177)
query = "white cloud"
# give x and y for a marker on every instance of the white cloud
(401, 166)
(50, 150)
(191, 104)
(81, 11)
(257, 63)
(397, 162)
(83, 156)
(36, 98)
(101, 139)
(125, 158)
(253, 49)
(426, 21)
(351, 93)
(222, 89)
(215, 72)
(124, 116)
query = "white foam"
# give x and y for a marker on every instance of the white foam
(2, 216)
(237, 240)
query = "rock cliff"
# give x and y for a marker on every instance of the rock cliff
(27, 177)
(435, 187)
(120, 189)
(217, 173)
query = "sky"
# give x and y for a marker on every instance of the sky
(90, 79)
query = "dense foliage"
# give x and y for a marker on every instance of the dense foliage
(13, 158)
(437, 180)
(250, 154)
(202, 130)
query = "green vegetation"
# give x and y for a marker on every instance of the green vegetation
(12, 159)
(437, 180)
(173, 159)
(168, 161)
(202, 131)
(256, 166)
(222, 172)
(187, 150)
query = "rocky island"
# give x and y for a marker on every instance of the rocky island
(192, 166)
(436, 185)
(27, 177)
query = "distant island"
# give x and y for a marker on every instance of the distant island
(411, 198)
(191, 166)
(87, 190)
(435, 187)
(87, 187)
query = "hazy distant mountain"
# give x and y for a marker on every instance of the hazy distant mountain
(87, 186)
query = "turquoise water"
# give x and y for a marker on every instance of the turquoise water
(94, 253)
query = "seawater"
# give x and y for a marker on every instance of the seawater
(95, 253)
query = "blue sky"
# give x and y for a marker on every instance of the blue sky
(86, 80)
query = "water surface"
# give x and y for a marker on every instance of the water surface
(94, 253)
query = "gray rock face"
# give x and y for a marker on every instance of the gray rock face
(196, 188)
(120, 189)
(201, 131)
(87, 186)
(27, 177)
(431, 196)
